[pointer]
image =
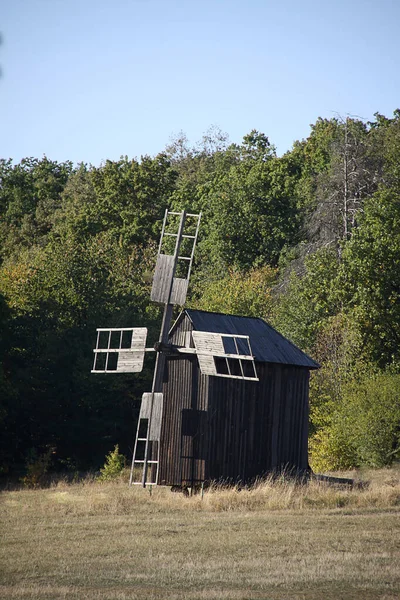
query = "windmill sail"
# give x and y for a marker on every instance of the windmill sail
(168, 287)
(146, 454)
(120, 350)
(225, 355)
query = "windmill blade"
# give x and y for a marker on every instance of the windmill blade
(120, 350)
(168, 288)
(151, 409)
(225, 355)
(146, 454)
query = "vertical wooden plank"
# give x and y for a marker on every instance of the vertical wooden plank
(276, 396)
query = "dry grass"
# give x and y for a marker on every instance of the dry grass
(278, 540)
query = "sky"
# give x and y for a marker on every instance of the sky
(91, 80)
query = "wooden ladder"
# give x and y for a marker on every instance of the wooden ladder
(146, 453)
(144, 446)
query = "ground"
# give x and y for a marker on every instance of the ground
(278, 541)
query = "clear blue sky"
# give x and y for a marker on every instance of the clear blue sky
(87, 80)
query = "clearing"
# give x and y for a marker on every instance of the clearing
(278, 541)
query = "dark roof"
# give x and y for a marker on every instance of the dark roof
(267, 344)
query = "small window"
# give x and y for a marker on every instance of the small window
(143, 426)
(103, 339)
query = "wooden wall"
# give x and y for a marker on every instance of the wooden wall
(225, 429)
(184, 423)
(259, 427)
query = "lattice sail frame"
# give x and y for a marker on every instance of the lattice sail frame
(167, 287)
(124, 348)
(214, 359)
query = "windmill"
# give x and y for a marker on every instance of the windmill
(122, 350)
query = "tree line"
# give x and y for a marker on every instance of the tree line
(310, 241)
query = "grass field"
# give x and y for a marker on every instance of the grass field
(276, 541)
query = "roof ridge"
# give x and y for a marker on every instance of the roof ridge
(214, 312)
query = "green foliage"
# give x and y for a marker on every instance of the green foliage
(369, 277)
(248, 199)
(7, 391)
(114, 465)
(364, 426)
(309, 240)
(123, 198)
(253, 212)
(37, 468)
(309, 299)
(241, 293)
(88, 271)
(30, 192)
(337, 349)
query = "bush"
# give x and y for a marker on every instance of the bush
(37, 468)
(114, 465)
(364, 429)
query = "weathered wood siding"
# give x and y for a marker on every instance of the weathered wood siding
(218, 428)
(184, 424)
(259, 427)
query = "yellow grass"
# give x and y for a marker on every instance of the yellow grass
(277, 541)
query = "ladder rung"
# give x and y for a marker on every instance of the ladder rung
(142, 439)
(116, 329)
(184, 258)
(148, 482)
(190, 237)
(103, 350)
(149, 462)
(170, 212)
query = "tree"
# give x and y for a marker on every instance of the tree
(351, 175)
(125, 198)
(70, 290)
(240, 293)
(309, 299)
(30, 192)
(89, 271)
(369, 277)
(251, 209)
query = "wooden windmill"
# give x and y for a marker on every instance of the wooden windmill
(121, 350)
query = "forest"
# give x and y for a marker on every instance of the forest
(309, 241)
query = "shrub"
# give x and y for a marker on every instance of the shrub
(115, 463)
(37, 468)
(365, 426)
